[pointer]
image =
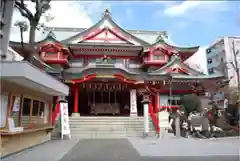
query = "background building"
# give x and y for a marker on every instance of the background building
(220, 54)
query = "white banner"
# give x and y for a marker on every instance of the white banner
(163, 117)
(64, 118)
(16, 105)
(133, 101)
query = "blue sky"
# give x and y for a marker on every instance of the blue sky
(188, 23)
(194, 23)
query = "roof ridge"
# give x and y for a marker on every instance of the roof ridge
(84, 28)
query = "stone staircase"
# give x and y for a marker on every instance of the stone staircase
(108, 127)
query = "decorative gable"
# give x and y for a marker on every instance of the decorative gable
(177, 69)
(115, 34)
(105, 35)
(156, 56)
(176, 66)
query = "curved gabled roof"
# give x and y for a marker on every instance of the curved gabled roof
(164, 41)
(176, 61)
(107, 20)
(184, 52)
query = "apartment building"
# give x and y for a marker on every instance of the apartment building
(220, 54)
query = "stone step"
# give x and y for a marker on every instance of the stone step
(89, 134)
(152, 133)
(102, 136)
(106, 125)
(107, 130)
(105, 119)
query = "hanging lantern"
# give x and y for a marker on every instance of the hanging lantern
(95, 86)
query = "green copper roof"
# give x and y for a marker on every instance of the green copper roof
(175, 60)
(162, 39)
(197, 77)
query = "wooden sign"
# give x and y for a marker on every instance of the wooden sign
(105, 76)
(65, 130)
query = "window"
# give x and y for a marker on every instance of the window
(133, 63)
(158, 57)
(35, 108)
(209, 61)
(222, 60)
(209, 51)
(33, 113)
(210, 71)
(26, 107)
(4, 109)
(174, 100)
(41, 108)
(2, 9)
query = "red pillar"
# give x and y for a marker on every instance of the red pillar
(76, 92)
(156, 103)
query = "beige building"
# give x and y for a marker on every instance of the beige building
(220, 54)
(26, 96)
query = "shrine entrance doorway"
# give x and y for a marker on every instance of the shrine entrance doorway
(103, 99)
(104, 103)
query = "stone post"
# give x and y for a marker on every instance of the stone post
(146, 114)
(177, 124)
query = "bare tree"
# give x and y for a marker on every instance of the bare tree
(235, 65)
(23, 27)
(41, 6)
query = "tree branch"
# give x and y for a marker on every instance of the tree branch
(233, 65)
(24, 14)
(23, 9)
(38, 13)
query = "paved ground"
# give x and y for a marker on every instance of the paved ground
(187, 147)
(51, 151)
(134, 149)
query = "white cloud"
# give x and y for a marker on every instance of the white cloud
(66, 14)
(184, 8)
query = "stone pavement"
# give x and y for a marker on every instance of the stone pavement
(50, 151)
(102, 150)
(133, 149)
(187, 147)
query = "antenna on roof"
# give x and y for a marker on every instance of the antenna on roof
(106, 12)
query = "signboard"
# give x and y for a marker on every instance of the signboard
(104, 76)
(16, 105)
(133, 101)
(163, 119)
(65, 130)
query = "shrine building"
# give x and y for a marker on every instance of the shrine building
(112, 71)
